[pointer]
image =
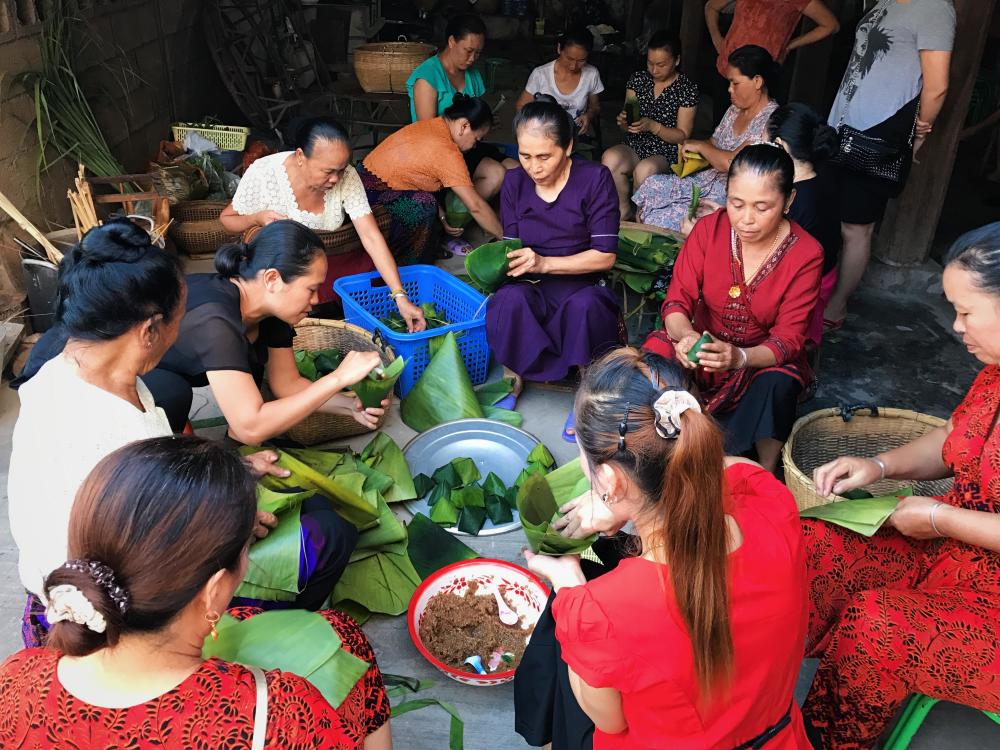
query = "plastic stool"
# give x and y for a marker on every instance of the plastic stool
(913, 716)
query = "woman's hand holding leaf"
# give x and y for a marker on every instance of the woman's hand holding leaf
(412, 314)
(262, 464)
(356, 365)
(912, 517)
(584, 516)
(845, 474)
(682, 347)
(562, 572)
(718, 356)
(525, 261)
(368, 417)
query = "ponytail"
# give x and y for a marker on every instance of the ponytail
(285, 245)
(677, 462)
(691, 527)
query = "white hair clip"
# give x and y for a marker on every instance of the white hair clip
(69, 603)
(669, 407)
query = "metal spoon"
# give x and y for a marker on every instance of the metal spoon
(507, 615)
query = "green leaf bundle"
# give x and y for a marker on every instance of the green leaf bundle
(488, 264)
(432, 548)
(864, 516)
(443, 393)
(373, 389)
(383, 455)
(292, 640)
(538, 509)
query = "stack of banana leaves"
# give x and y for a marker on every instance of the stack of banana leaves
(371, 391)
(435, 319)
(379, 577)
(645, 260)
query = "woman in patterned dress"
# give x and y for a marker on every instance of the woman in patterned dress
(668, 100)
(915, 609)
(158, 543)
(748, 276)
(664, 199)
(316, 186)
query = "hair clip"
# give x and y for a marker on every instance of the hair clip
(623, 428)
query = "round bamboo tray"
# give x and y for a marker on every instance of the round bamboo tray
(824, 435)
(196, 210)
(342, 240)
(313, 334)
(200, 239)
(384, 67)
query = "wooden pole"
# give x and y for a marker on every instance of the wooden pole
(907, 231)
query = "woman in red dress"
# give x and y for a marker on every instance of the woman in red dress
(159, 534)
(696, 641)
(749, 277)
(916, 608)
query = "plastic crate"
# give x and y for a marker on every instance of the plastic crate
(366, 301)
(226, 137)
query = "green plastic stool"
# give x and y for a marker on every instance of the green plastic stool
(913, 716)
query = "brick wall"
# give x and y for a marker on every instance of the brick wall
(143, 65)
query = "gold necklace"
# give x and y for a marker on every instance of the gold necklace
(736, 248)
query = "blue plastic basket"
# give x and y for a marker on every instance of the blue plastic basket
(366, 301)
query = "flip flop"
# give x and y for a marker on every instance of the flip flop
(507, 402)
(569, 437)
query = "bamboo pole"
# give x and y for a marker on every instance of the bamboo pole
(22, 221)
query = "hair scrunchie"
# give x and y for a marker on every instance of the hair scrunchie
(668, 408)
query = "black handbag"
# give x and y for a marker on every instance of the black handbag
(874, 156)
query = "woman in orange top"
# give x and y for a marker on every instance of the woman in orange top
(405, 171)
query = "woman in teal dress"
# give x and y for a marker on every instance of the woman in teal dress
(434, 84)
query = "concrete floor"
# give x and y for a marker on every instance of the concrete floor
(896, 350)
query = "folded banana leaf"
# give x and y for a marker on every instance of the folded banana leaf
(688, 163)
(324, 461)
(383, 455)
(541, 455)
(471, 519)
(488, 265)
(567, 482)
(382, 581)
(445, 512)
(443, 393)
(864, 516)
(468, 497)
(373, 389)
(456, 213)
(345, 492)
(388, 533)
(491, 393)
(273, 563)
(423, 484)
(314, 365)
(466, 470)
(431, 548)
(498, 510)
(507, 416)
(295, 641)
(493, 485)
(538, 509)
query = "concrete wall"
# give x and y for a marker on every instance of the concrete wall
(143, 65)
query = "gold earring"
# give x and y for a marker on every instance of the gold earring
(213, 618)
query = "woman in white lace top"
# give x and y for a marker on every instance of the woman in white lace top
(316, 185)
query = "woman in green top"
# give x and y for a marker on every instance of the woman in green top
(433, 85)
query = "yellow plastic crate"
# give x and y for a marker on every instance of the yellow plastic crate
(226, 137)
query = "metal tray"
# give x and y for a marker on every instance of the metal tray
(494, 446)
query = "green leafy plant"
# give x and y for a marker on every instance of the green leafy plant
(488, 265)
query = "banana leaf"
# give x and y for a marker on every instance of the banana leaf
(389, 532)
(382, 581)
(491, 393)
(629, 238)
(375, 481)
(507, 416)
(439, 491)
(383, 455)
(456, 213)
(431, 548)
(540, 455)
(488, 265)
(493, 485)
(567, 482)
(325, 462)
(640, 283)
(314, 365)
(423, 484)
(445, 512)
(372, 390)
(470, 496)
(695, 199)
(864, 516)
(471, 519)
(466, 470)
(295, 641)
(692, 355)
(447, 475)
(273, 563)
(443, 393)
(858, 494)
(537, 507)
(498, 510)
(688, 163)
(306, 364)
(345, 492)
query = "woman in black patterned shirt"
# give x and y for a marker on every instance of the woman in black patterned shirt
(668, 100)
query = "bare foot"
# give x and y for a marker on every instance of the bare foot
(518, 382)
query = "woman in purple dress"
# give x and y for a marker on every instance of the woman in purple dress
(555, 313)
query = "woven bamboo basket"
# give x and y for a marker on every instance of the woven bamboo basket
(384, 67)
(196, 210)
(200, 239)
(313, 334)
(342, 240)
(824, 435)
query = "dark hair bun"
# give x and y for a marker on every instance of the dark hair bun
(825, 143)
(78, 639)
(285, 245)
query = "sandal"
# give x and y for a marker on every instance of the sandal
(569, 429)
(458, 246)
(507, 402)
(829, 326)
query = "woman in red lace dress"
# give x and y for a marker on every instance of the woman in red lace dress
(159, 534)
(750, 277)
(916, 608)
